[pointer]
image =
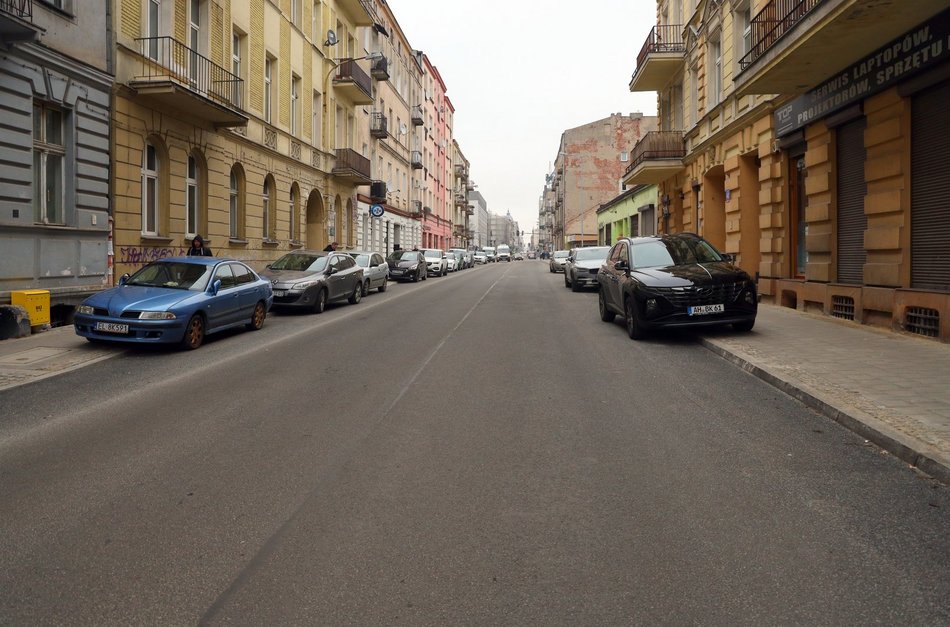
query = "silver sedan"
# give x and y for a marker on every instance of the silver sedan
(375, 269)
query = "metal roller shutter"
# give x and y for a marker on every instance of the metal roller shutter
(852, 221)
(930, 190)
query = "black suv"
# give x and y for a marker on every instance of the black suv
(407, 265)
(673, 281)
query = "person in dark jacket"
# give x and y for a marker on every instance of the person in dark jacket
(333, 246)
(198, 247)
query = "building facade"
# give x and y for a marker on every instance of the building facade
(804, 146)
(480, 219)
(631, 214)
(589, 165)
(462, 232)
(54, 120)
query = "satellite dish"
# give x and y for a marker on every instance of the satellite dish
(331, 38)
(403, 129)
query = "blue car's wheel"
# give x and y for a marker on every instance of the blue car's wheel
(257, 318)
(194, 333)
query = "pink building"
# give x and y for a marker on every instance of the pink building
(437, 222)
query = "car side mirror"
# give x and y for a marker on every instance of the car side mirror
(124, 279)
(215, 287)
(622, 265)
(331, 271)
(728, 257)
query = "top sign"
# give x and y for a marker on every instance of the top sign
(376, 211)
(925, 47)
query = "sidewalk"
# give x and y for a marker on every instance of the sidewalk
(891, 388)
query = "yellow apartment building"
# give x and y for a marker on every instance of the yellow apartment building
(237, 120)
(804, 137)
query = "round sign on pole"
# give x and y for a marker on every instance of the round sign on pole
(376, 211)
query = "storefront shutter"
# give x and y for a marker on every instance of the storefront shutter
(852, 221)
(648, 221)
(930, 190)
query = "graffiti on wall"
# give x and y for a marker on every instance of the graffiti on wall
(139, 255)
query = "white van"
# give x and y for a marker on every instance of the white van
(503, 253)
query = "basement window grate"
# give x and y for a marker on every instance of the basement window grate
(842, 307)
(923, 321)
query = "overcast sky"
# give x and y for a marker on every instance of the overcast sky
(520, 72)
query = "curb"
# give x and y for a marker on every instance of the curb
(851, 419)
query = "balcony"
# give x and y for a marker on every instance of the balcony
(795, 44)
(469, 210)
(380, 69)
(16, 21)
(415, 209)
(415, 160)
(416, 116)
(656, 157)
(177, 77)
(460, 170)
(359, 11)
(352, 166)
(461, 200)
(353, 83)
(378, 126)
(660, 58)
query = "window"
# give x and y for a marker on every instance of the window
(714, 84)
(150, 190)
(265, 209)
(316, 23)
(295, 12)
(191, 197)
(624, 156)
(153, 27)
(294, 105)
(237, 65)
(233, 196)
(268, 85)
(293, 213)
(317, 119)
(49, 156)
(743, 30)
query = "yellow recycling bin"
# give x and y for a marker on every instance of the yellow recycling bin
(36, 303)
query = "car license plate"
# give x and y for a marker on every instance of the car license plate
(701, 310)
(112, 327)
(280, 293)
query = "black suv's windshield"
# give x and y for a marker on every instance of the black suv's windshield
(301, 262)
(179, 275)
(672, 252)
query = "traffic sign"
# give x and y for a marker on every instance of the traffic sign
(376, 211)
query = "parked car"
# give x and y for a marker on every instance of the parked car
(177, 300)
(489, 254)
(407, 265)
(674, 281)
(464, 256)
(306, 279)
(375, 270)
(480, 257)
(452, 261)
(532, 254)
(558, 259)
(436, 261)
(582, 266)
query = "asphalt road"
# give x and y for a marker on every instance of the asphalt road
(475, 449)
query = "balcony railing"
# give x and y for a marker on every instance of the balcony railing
(22, 9)
(353, 165)
(350, 73)
(663, 38)
(658, 145)
(416, 116)
(776, 19)
(378, 126)
(167, 59)
(415, 160)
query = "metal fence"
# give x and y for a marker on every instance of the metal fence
(663, 38)
(772, 23)
(658, 145)
(166, 57)
(20, 8)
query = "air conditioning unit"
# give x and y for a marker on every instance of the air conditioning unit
(377, 190)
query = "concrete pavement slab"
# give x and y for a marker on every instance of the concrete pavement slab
(46, 354)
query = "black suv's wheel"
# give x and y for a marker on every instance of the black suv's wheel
(634, 330)
(744, 327)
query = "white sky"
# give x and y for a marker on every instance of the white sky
(520, 72)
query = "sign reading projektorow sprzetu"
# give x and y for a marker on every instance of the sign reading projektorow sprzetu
(922, 48)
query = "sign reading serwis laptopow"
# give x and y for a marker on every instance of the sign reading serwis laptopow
(923, 48)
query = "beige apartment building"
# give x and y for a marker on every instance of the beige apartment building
(462, 228)
(804, 136)
(238, 120)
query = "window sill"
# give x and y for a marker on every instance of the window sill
(236, 241)
(158, 239)
(270, 242)
(296, 244)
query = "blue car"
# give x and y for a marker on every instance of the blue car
(177, 300)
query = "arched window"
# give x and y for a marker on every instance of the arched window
(265, 209)
(151, 189)
(236, 204)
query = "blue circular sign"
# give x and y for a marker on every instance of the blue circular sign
(376, 211)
